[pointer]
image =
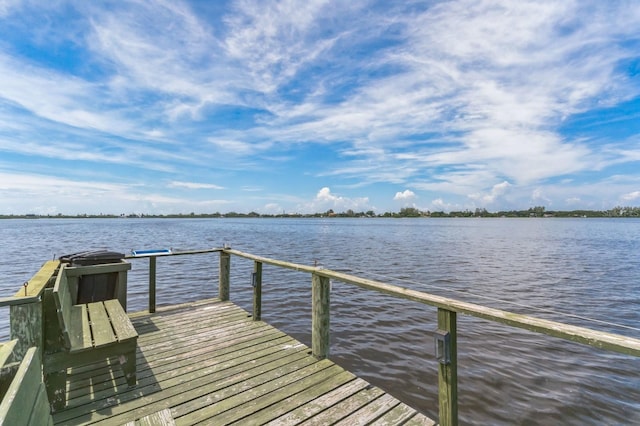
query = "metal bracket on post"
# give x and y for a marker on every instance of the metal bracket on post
(442, 340)
(253, 279)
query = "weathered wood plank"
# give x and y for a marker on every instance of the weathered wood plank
(40, 412)
(22, 393)
(203, 338)
(245, 372)
(185, 370)
(63, 302)
(121, 323)
(448, 372)
(257, 291)
(319, 404)
(103, 386)
(39, 281)
(295, 400)
(107, 268)
(153, 326)
(236, 408)
(173, 397)
(6, 350)
(159, 418)
(62, 360)
(7, 373)
(399, 415)
(78, 328)
(320, 318)
(226, 398)
(26, 327)
(224, 274)
(419, 420)
(169, 309)
(370, 412)
(156, 322)
(152, 284)
(100, 325)
(182, 388)
(344, 408)
(155, 333)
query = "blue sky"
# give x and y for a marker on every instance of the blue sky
(304, 106)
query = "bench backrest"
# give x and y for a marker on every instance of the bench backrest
(25, 401)
(64, 302)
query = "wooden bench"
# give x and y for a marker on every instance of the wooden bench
(91, 332)
(24, 398)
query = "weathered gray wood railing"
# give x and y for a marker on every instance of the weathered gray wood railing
(25, 316)
(447, 311)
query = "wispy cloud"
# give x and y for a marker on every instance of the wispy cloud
(193, 185)
(632, 196)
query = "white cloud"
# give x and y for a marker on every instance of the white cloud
(538, 196)
(6, 6)
(75, 196)
(440, 205)
(497, 191)
(573, 201)
(236, 147)
(273, 40)
(271, 208)
(326, 200)
(404, 195)
(631, 196)
(58, 97)
(192, 185)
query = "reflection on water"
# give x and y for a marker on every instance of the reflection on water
(587, 267)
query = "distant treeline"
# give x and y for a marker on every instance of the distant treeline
(538, 211)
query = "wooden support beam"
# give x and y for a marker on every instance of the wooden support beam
(121, 289)
(152, 284)
(26, 327)
(257, 291)
(448, 371)
(223, 283)
(320, 288)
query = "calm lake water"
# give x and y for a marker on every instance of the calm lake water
(580, 271)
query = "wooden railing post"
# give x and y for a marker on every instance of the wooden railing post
(320, 287)
(223, 283)
(257, 290)
(448, 369)
(152, 284)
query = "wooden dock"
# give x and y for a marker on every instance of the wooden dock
(208, 362)
(211, 362)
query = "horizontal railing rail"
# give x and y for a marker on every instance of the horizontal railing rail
(18, 300)
(160, 253)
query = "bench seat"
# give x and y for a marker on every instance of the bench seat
(97, 324)
(91, 332)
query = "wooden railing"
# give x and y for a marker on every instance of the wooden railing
(25, 310)
(446, 334)
(447, 311)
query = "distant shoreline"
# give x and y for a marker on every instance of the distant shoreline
(537, 212)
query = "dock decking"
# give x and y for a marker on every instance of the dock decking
(208, 362)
